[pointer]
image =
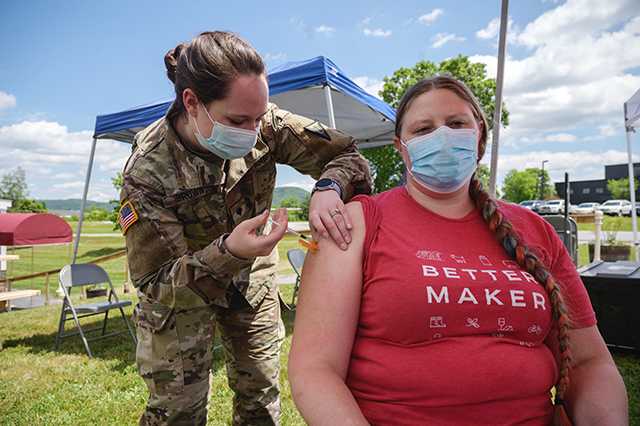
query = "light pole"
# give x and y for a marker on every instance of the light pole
(542, 179)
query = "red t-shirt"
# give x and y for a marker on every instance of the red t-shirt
(451, 330)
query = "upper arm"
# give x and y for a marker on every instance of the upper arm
(303, 143)
(329, 302)
(154, 237)
(587, 345)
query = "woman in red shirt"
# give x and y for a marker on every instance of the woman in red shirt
(449, 307)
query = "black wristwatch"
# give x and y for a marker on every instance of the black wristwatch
(325, 185)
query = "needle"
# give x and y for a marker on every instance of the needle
(304, 237)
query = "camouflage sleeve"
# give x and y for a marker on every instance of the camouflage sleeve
(160, 263)
(316, 150)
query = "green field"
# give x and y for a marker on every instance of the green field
(46, 258)
(611, 223)
(94, 227)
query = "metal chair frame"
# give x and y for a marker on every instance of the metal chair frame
(296, 259)
(78, 275)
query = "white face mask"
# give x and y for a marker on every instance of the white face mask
(225, 141)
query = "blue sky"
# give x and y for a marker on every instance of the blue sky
(571, 66)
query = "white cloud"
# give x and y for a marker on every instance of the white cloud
(490, 31)
(378, 32)
(430, 17)
(74, 185)
(560, 137)
(55, 159)
(571, 20)
(325, 29)
(65, 175)
(366, 21)
(7, 100)
(572, 78)
(608, 130)
(370, 85)
(275, 57)
(441, 39)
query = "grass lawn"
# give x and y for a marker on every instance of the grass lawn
(40, 386)
(102, 227)
(610, 223)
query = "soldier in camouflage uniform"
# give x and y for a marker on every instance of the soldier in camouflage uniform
(200, 251)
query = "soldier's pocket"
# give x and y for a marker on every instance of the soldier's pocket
(158, 352)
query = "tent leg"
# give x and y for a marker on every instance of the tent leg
(504, 22)
(84, 201)
(632, 195)
(3, 263)
(329, 101)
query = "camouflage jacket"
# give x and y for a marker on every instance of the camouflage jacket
(177, 204)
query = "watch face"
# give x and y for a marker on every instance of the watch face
(322, 183)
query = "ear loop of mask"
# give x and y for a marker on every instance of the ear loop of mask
(213, 122)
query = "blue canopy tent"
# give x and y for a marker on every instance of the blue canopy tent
(315, 88)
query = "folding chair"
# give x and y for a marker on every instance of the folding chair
(296, 259)
(568, 233)
(78, 275)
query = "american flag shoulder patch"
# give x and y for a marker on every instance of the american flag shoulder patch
(127, 216)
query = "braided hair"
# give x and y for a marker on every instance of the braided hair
(498, 224)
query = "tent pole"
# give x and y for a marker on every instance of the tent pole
(504, 22)
(84, 201)
(329, 101)
(632, 192)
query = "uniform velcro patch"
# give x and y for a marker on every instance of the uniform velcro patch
(127, 216)
(318, 129)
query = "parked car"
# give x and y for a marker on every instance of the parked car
(616, 207)
(552, 207)
(532, 204)
(586, 208)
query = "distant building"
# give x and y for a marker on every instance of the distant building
(583, 191)
(4, 205)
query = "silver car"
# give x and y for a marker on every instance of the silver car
(586, 208)
(552, 207)
(616, 207)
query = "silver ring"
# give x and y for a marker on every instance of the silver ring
(334, 212)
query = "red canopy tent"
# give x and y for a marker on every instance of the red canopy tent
(28, 229)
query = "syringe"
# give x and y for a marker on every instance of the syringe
(303, 239)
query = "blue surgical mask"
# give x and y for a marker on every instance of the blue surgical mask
(443, 160)
(225, 141)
